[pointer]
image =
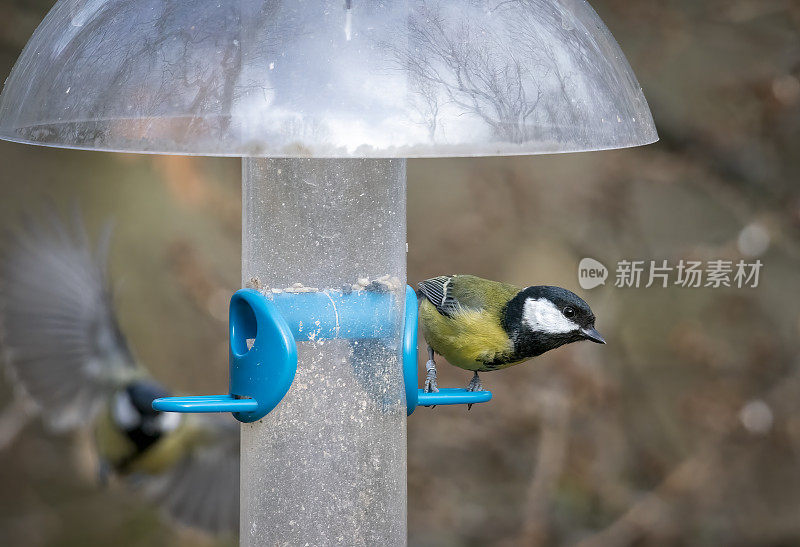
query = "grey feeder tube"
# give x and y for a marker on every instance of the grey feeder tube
(328, 465)
(325, 92)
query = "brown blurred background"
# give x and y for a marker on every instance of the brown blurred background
(684, 429)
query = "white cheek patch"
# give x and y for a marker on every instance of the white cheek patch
(169, 421)
(124, 413)
(541, 315)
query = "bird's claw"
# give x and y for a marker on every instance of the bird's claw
(430, 378)
(474, 385)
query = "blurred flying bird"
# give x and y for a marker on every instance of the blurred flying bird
(69, 361)
(483, 325)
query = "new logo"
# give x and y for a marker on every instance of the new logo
(591, 273)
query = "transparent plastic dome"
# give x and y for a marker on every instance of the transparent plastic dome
(325, 78)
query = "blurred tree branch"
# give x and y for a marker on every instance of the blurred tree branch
(554, 412)
(655, 513)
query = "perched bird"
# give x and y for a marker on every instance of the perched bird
(66, 354)
(483, 325)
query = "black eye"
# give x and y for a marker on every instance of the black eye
(569, 312)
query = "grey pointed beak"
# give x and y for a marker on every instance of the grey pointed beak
(592, 334)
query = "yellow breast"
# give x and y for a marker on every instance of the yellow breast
(467, 340)
(115, 447)
(166, 452)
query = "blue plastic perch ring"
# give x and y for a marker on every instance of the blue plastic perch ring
(263, 362)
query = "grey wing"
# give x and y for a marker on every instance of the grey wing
(437, 291)
(58, 331)
(202, 491)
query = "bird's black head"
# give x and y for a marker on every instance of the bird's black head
(542, 318)
(132, 410)
(143, 393)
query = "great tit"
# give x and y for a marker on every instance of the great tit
(483, 325)
(65, 352)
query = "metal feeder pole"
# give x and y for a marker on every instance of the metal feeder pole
(328, 465)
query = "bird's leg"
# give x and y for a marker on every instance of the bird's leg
(430, 378)
(474, 385)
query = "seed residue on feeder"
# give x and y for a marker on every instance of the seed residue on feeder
(300, 288)
(386, 283)
(255, 283)
(383, 284)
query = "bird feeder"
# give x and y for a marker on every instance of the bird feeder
(324, 100)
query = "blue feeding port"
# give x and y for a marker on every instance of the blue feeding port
(263, 353)
(263, 362)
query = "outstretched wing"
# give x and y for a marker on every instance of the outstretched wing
(58, 331)
(202, 491)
